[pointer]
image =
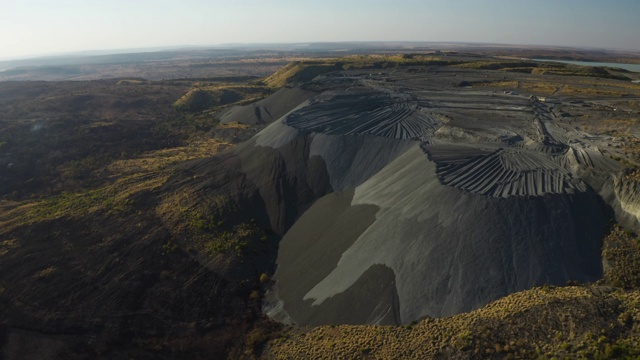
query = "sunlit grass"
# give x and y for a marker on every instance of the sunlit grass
(109, 199)
(160, 159)
(583, 88)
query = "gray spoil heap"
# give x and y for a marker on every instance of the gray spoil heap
(267, 110)
(402, 197)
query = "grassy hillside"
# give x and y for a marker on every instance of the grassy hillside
(93, 248)
(208, 95)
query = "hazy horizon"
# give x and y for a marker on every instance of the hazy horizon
(32, 28)
(270, 45)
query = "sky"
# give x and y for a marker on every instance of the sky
(40, 27)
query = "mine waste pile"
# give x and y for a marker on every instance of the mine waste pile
(408, 194)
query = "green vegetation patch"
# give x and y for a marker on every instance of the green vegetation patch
(212, 226)
(235, 240)
(111, 199)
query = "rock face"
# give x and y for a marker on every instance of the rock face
(406, 197)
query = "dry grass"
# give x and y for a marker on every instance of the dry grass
(8, 245)
(109, 199)
(534, 87)
(496, 65)
(633, 88)
(158, 160)
(543, 322)
(583, 88)
(299, 71)
(540, 88)
(633, 175)
(127, 177)
(621, 250)
(211, 226)
(511, 84)
(595, 90)
(620, 127)
(234, 125)
(44, 273)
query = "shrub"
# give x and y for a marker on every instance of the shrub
(264, 278)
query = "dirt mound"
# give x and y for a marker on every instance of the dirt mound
(267, 110)
(428, 218)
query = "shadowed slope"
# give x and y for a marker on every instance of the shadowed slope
(311, 250)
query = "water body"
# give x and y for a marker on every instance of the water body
(630, 67)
